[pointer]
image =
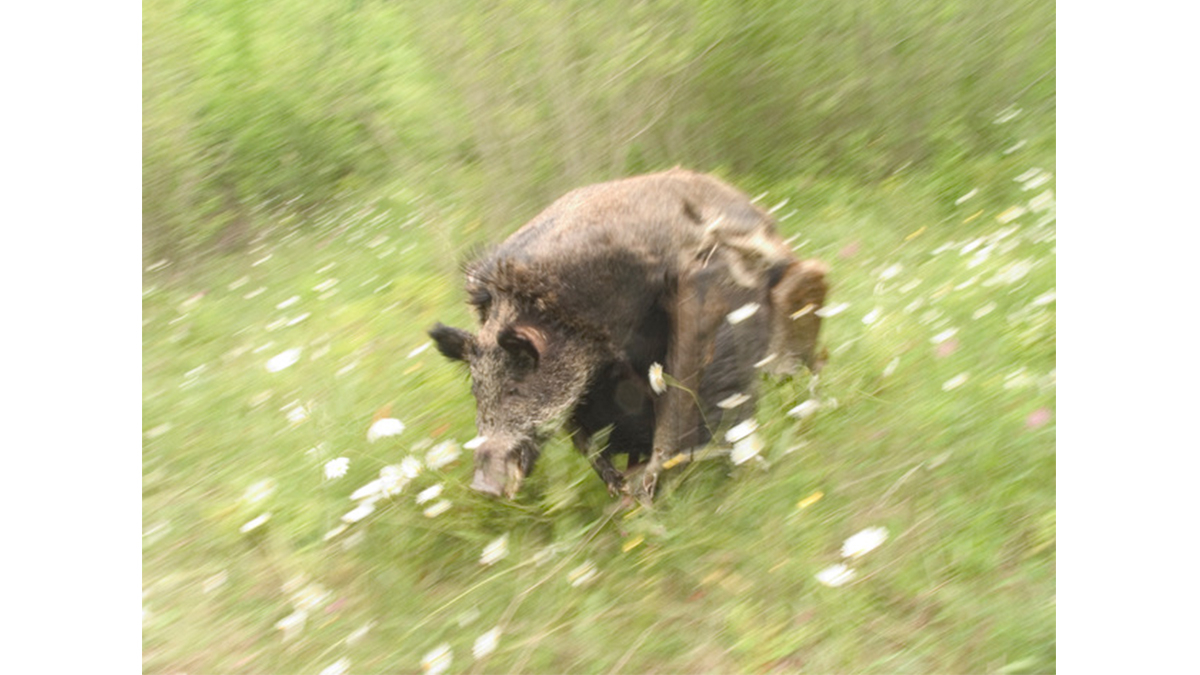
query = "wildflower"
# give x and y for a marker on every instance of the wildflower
(826, 312)
(960, 200)
(1010, 214)
(657, 382)
(486, 644)
(418, 350)
(292, 624)
(338, 667)
(802, 312)
(296, 412)
(1037, 418)
(438, 660)
(946, 348)
(871, 317)
(765, 360)
(254, 523)
(891, 271)
(288, 303)
(741, 431)
(336, 468)
(259, 491)
(745, 449)
(474, 442)
(864, 541)
(359, 512)
(835, 575)
(742, 313)
(582, 574)
(410, 467)
(441, 454)
(806, 409)
(429, 493)
(310, 597)
(890, 367)
(388, 426)
(954, 382)
(283, 360)
(984, 311)
(810, 500)
(495, 550)
(437, 508)
(372, 490)
(1045, 298)
(359, 633)
(943, 336)
(733, 401)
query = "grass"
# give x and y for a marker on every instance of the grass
(720, 575)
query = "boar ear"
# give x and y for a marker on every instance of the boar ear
(451, 342)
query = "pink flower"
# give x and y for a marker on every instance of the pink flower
(1038, 418)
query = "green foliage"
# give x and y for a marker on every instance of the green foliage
(313, 174)
(290, 104)
(721, 575)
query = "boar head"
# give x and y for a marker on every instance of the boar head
(526, 376)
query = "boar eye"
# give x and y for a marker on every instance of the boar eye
(519, 348)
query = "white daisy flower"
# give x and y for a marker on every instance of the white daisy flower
(835, 575)
(359, 512)
(382, 428)
(742, 313)
(474, 442)
(733, 401)
(984, 311)
(864, 541)
(806, 409)
(765, 360)
(338, 667)
(486, 644)
(437, 660)
(292, 624)
(494, 551)
(442, 454)
(740, 431)
(283, 360)
(826, 312)
(657, 382)
(429, 493)
(255, 523)
(745, 449)
(437, 508)
(955, 382)
(336, 468)
(943, 336)
(582, 574)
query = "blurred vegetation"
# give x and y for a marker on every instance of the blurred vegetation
(313, 172)
(295, 106)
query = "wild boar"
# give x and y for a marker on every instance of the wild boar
(674, 268)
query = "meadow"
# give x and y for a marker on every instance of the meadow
(286, 530)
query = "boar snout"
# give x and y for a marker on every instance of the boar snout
(501, 465)
(485, 483)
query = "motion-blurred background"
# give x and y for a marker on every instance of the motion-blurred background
(316, 171)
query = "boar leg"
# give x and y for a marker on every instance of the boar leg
(795, 298)
(679, 424)
(600, 461)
